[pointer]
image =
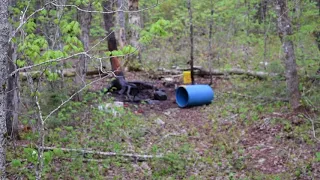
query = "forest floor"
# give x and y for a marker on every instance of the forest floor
(235, 137)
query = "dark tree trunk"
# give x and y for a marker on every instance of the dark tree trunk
(12, 96)
(112, 42)
(285, 31)
(262, 11)
(12, 88)
(191, 41)
(4, 46)
(210, 42)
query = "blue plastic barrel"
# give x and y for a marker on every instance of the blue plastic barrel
(194, 95)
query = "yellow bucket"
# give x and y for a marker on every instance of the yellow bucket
(186, 77)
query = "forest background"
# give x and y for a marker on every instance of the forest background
(264, 56)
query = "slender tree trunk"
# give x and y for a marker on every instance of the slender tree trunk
(135, 26)
(264, 13)
(191, 41)
(285, 31)
(84, 19)
(59, 42)
(112, 42)
(210, 42)
(12, 96)
(52, 33)
(122, 24)
(12, 88)
(4, 46)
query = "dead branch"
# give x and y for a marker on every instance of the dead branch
(198, 70)
(100, 153)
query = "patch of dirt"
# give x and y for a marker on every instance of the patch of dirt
(262, 151)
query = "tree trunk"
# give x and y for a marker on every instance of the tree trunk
(191, 41)
(112, 42)
(210, 41)
(285, 31)
(84, 19)
(122, 23)
(12, 88)
(52, 33)
(4, 46)
(135, 25)
(262, 11)
(12, 96)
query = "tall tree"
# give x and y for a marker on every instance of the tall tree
(210, 40)
(112, 42)
(53, 36)
(284, 26)
(191, 40)
(12, 86)
(121, 23)
(135, 25)
(4, 46)
(84, 19)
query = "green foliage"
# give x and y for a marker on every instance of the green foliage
(318, 156)
(156, 30)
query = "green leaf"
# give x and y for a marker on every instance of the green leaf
(31, 154)
(117, 53)
(53, 13)
(47, 156)
(20, 63)
(108, 53)
(318, 156)
(16, 163)
(68, 128)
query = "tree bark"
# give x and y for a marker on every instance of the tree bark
(4, 46)
(122, 23)
(191, 41)
(210, 42)
(285, 32)
(84, 19)
(12, 96)
(135, 25)
(262, 11)
(112, 42)
(12, 87)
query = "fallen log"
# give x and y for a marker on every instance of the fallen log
(237, 71)
(66, 73)
(139, 157)
(233, 71)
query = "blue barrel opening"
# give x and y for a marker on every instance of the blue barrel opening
(182, 97)
(194, 95)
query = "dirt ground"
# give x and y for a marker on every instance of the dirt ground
(266, 147)
(230, 138)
